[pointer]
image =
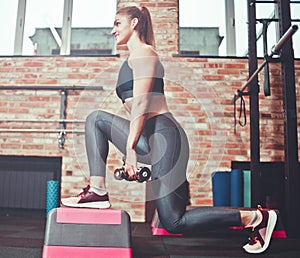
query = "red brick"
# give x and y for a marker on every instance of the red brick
(78, 76)
(33, 64)
(212, 77)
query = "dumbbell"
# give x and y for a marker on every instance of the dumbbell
(141, 175)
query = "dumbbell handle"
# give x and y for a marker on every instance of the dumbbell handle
(141, 175)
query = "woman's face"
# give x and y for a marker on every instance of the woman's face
(122, 29)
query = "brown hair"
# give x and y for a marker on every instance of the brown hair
(144, 27)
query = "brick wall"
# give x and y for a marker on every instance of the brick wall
(199, 92)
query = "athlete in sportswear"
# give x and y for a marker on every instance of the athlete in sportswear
(152, 135)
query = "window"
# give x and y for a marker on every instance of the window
(76, 27)
(8, 17)
(219, 27)
(201, 26)
(295, 16)
(43, 23)
(269, 10)
(92, 20)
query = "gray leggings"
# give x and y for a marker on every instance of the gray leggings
(163, 145)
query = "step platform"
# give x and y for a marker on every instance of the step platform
(80, 232)
(159, 230)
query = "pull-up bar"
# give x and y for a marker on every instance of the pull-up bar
(274, 51)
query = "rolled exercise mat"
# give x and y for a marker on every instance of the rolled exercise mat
(236, 188)
(247, 188)
(221, 188)
(52, 198)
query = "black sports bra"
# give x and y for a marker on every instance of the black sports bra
(124, 88)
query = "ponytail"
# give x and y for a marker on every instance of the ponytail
(144, 26)
(146, 29)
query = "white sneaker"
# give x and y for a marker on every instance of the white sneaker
(260, 237)
(87, 199)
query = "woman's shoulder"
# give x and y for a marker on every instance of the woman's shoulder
(144, 51)
(145, 54)
(149, 50)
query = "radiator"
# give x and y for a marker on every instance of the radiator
(25, 188)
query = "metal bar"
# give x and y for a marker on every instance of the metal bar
(274, 51)
(264, 2)
(266, 70)
(252, 77)
(62, 125)
(63, 107)
(55, 88)
(276, 20)
(41, 120)
(62, 121)
(269, 20)
(287, 35)
(260, 32)
(256, 193)
(291, 171)
(39, 131)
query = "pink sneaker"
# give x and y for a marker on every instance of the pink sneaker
(87, 199)
(260, 237)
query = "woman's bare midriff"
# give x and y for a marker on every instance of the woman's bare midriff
(157, 106)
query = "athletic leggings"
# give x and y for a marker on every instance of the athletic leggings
(163, 145)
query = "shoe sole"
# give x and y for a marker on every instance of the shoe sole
(91, 205)
(270, 227)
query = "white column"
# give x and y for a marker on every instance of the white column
(19, 32)
(230, 28)
(66, 29)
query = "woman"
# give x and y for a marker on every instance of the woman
(153, 136)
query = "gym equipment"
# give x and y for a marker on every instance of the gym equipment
(221, 188)
(236, 188)
(274, 51)
(52, 195)
(62, 131)
(76, 233)
(141, 175)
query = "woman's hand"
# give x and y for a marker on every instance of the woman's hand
(131, 163)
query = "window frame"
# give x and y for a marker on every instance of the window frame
(232, 48)
(65, 40)
(19, 31)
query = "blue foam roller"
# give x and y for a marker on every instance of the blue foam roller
(52, 198)
(236, 192)
(221, 188)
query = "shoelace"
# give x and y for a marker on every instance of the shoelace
(85, 191)
(255, 237)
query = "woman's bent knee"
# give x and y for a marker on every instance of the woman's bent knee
(173, 227)
(95, 117)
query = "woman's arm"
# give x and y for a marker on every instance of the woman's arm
(144, 73)
(139, 109)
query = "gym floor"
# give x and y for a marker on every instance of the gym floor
(23, 236)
